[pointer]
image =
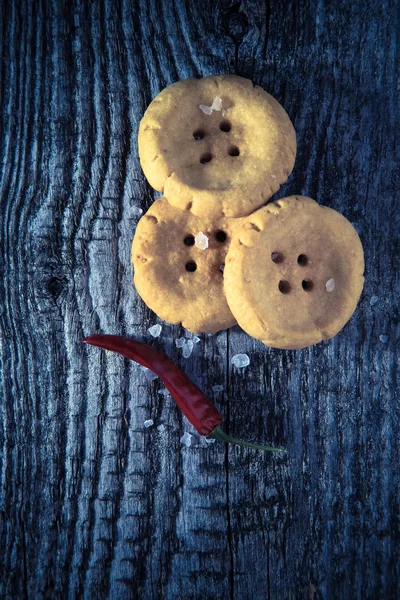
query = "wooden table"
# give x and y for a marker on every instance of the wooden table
(92, 503)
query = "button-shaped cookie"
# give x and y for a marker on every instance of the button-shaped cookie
(178, 263)
(294, 273)
(217, 146)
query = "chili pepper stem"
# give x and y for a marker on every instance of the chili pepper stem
(219, 434)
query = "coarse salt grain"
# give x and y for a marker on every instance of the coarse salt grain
(155, 330)
(148, 373)
(148, 423)
(136, 211)
(201, 241)
(216, 105)
(373, 300)
(240, 361)
(186, 439)
(330, 285)
(161, 427)
(217, 388)
(180, 342)
(383, 338)
(163, 392)
(187, 348)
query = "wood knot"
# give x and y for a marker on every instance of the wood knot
(55, 286)
(236, 25)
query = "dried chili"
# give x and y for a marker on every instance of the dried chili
(195, 405)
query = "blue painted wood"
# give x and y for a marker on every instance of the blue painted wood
(93, 504)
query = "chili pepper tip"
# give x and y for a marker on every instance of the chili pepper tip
(219, 434)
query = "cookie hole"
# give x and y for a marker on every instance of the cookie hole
(191, 266)
(233, 151)
(205, 158)
(198, 134)
(284, 286)
(221, 236)
(302, 260)
(307, 285)
(189, 240)
(225, 126)
(276, 257)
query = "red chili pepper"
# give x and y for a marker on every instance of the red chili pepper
(195, 405)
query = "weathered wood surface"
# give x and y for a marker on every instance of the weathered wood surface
(92, 504)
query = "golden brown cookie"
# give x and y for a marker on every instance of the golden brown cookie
(227, 163)
(179, 281)
(294, 273)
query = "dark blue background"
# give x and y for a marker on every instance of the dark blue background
(93, 504)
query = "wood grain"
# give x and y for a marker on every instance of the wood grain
(93, 504)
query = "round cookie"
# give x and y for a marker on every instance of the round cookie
(179, 281)
(294, 273)
(227, 163)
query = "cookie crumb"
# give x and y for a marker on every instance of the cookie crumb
(148, 423)
(216, 105)
(201, 241)
(186, 439)
(155, 330)
(240, 361)
(330, 285)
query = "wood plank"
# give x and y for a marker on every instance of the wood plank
(94, 504)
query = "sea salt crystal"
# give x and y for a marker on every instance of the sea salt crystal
(383, 338)
(187, 348)
(148, 423)
(201, 241)
(163, 392)
(330, 285)
(161, 427)
(136, 211)
(155, 330)
(240, 360)
(150, 376)
(186, 439)
(206, 109)
(210, 440)
(180, 342)
(217, 388)
(373, 300)
(196, 339)
(216, 105)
